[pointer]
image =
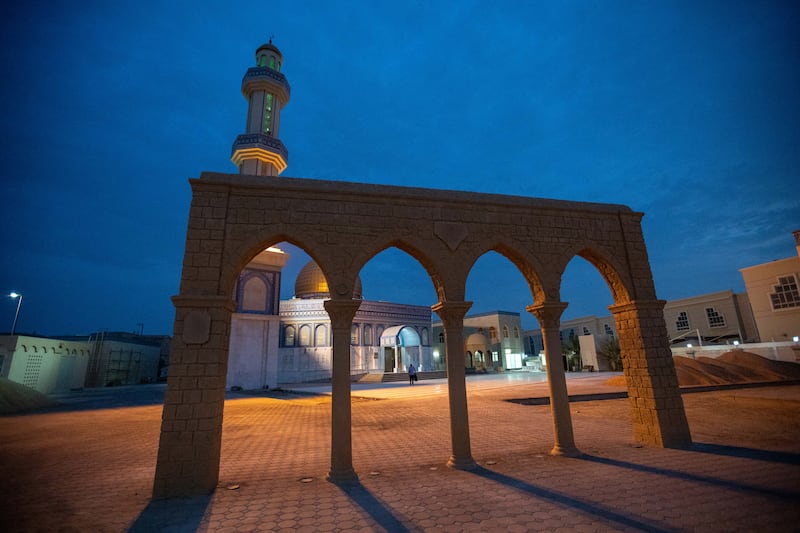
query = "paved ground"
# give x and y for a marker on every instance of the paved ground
(85, 468)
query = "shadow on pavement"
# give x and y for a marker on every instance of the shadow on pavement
(179, 514)
(373, 506)
(545, 400)
(730, 485)
(566, 500)
(747, 453)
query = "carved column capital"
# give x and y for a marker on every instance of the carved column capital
(342, 312)
(548, 314)
(452, 313)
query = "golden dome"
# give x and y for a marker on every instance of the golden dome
(311, 283)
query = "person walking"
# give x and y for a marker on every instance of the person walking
(412, 373)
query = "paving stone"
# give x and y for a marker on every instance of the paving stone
(93, 471)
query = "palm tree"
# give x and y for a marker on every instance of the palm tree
(611, 352)
(572, 350)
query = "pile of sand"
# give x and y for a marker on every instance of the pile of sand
(733, 367)
(17, 398)
(736, 366)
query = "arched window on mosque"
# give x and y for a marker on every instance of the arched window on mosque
(254, 295)
(492, 333)
(441, 337)
(354, 335)
(288, 336)
(305, 335)
(505, 332)
(516, 332)
(367, 335)
(321, 336)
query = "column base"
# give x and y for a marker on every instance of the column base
(461, 464)
(342, 478)
(563, 451)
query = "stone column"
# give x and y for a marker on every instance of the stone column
(191, 421)
(341, 313)
(452, 315)
(549, 317)
(656, 404)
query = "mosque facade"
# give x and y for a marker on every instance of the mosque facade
(290, 341)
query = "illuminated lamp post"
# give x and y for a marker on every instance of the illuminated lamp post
(16, 315)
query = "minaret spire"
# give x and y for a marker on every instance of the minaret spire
(259, 151)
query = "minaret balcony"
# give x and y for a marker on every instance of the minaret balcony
(266, 79)
(262, 147)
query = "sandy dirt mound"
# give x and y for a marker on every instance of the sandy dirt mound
(17, 398)
(731, 367)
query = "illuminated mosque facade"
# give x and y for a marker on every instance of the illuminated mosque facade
(290, 341)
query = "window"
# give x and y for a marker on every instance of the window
(272, 62)
(586, 331)
(367, 335)
(425, 340)
(608, 330)
(516, 332)
(786, 294)
(492, 333)
(288, 336)
(441, 337)
(715, 319)
(268, 114)
(505, 332)
(354, 335)
(682, 323)
(321, 336)
(305, 335)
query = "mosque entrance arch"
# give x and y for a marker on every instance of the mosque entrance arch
(402, 346)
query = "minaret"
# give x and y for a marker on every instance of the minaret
(259, 151)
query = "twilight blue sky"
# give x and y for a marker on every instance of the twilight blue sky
(688, 111)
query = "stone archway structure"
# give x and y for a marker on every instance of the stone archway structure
(342, 226)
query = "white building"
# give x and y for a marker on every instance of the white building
(290, 341)
(51, 365)
(492, 341)
(774, 296)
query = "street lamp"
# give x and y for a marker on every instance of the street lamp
(16, 315)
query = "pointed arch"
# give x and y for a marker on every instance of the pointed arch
(244, 253)
(430, 267)
(607, 266)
